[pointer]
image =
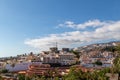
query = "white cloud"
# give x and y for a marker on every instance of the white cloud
(90, 23)
(104, 31)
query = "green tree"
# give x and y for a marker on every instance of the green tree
(116, 61)
(43, 78)
(117, 50)
(98, 62)
(56, 78)
(76, 53)
(101, 75)
(74, 74)
(50, 73)
(94, 75)
(21, 77)
(116, 64)
(4, 71)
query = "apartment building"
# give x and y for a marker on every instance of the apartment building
(62, 58)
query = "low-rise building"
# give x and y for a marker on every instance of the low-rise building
(46, 70)
(19, 66)
(61, 58)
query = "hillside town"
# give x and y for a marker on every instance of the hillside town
(88, 58)
(59, 39)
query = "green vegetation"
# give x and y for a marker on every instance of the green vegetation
(4, 71)
(76, 53)
(98, 63)
(77, 74)
(23, 77)
(109, 48)
(117, 50)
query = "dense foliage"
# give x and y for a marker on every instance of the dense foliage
(98, 62)
(4, 71)
(78, 74)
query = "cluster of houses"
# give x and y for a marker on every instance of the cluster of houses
(46, 60)
(39, 64)
(97, 52)
(106, 58)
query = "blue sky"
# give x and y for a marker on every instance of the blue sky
(34, 25)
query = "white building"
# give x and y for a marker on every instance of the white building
(19, 66)
(62, 58)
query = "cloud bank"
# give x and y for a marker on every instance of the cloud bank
(103, 30)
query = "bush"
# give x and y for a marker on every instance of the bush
(4, 71)
(98, 62)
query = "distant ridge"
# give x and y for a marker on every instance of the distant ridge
(99, 45)
(109, 42)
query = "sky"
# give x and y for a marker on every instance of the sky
(36, 25)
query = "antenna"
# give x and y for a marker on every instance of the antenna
(56, 45)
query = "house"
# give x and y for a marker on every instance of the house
(20, 66)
